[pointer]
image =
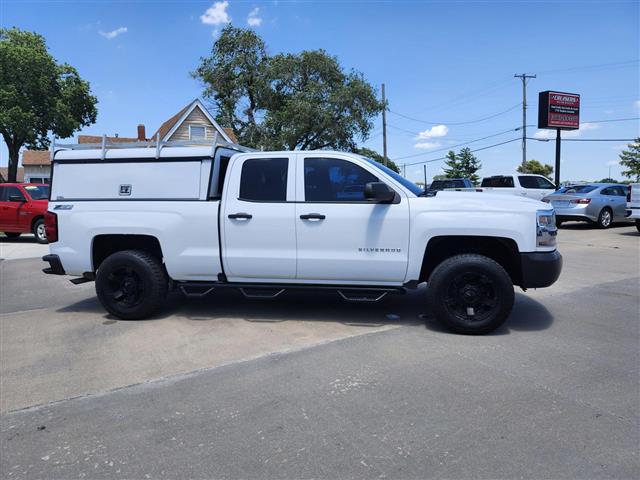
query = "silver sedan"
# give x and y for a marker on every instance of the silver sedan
(600, 203)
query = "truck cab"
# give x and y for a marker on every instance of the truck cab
(269, 221)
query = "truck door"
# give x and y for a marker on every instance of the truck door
(615, 197)
(11, 212)
(535, 187)
(258, 228)
(341, 237)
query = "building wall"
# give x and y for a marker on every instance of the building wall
(38, 172)
(196, 117)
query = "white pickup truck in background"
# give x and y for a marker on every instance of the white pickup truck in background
(526, 185)
(199, 219)
(633, 203)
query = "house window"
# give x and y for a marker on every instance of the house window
(196, 132)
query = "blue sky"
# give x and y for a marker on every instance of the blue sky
(442, 62)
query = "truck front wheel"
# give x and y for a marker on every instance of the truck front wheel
(131, 284)
(470, 294)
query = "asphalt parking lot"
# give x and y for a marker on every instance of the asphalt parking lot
(308, 386)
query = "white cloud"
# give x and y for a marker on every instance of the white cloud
(637, 103)
(253, 20)
(612, 163)
(427, 145)
(551, 134)
(216, 14)
(433, 132)
(113, 33)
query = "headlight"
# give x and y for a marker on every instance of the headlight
(546, 230)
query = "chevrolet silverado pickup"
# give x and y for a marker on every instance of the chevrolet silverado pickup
(198, 219)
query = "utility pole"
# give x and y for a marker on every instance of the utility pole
(384, 126)
(524, 77)
(425, 175)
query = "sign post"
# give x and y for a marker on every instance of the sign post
(558, 111)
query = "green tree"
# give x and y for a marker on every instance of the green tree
(288, 101)
(631, 160)
(537, 168)
(235, 79)
(38, 96)
(373, 155)
(462, 165)
(607, 180)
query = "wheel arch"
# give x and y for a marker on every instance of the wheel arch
(107, 244)
(500, 249)
(34, 220)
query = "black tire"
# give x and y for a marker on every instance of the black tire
(638, 225)
(131, 284)
(12, 234)
(39, 231)
(470, 294)
(605, 218)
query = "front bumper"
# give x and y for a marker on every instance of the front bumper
(55, 265)
(540, 269)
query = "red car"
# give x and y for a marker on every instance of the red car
(22, 208)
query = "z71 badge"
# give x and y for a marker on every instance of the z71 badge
(125, 190)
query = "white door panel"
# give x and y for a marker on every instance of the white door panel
(259, 223)
(362, 242)
(356, 241)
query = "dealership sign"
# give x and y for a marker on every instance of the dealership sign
(558, 110)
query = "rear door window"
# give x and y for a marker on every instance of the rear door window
(264, 180)
(535, 182)
(498, 182)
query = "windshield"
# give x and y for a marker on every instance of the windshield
(409, 185)
(38, 192)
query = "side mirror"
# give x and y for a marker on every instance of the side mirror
(379, 192)
(17, 198)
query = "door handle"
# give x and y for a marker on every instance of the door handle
(240, 215)
(312, 216)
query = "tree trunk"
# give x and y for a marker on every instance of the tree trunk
(14, 155)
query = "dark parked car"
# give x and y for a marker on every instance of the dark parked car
(448, 184)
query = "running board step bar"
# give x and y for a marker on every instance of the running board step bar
(269, 291)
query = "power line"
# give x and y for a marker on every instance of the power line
(584, 139)
(472, 151)
(459, 144)
(602, 66)
(612, 120)
(477, 120)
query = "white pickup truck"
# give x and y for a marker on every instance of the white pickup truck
(144, 221)
(633, 203)
(523, 184)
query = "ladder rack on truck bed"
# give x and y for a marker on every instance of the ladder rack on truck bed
(106, 145)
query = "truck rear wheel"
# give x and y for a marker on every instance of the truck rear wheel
(131, 284)
(470, 294)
